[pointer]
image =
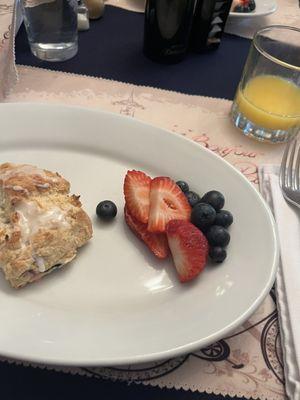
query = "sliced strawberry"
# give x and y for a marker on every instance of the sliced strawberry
(157, 242)
(167, 202)
(189, 248)
(136, 192)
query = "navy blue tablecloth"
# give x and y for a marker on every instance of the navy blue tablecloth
(112, 49)
(26, 383)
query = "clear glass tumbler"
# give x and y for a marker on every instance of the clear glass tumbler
(267, 102)
(51, 27)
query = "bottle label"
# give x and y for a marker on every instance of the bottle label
(178, 49)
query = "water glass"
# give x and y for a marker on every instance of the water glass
(51, 27)
(267, 102)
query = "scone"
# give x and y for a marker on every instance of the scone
(41, 224)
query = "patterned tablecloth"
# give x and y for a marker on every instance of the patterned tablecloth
(247, 363)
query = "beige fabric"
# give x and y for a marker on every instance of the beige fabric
(8, 73)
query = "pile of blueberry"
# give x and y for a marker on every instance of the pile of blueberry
(208, 216)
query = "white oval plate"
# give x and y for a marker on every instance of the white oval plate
(116, 303)
(263, 8)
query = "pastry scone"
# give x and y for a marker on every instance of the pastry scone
(41, 224)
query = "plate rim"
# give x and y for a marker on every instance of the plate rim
(195, 345)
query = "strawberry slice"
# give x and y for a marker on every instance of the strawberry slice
(189, 248)
(157, 242)
(136, 192)
(167, 202)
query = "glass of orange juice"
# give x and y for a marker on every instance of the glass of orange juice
(267, 102)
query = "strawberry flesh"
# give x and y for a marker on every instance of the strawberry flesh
(156, 242)
(189, 248)
(167, 202)
(136, 192)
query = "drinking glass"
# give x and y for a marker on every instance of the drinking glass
(51, 27)
(267, 102)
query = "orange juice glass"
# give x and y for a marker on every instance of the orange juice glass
(267, 102)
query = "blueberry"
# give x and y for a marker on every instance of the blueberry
(239, 9)
(203, 215)
(217, 236)
(183, 186)
(217, 254)
(192, 197)
(224, 218)
(242, 9)
(106, 210)
(215, 199)
(252, 5)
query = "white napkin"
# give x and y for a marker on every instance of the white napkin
(288, 277)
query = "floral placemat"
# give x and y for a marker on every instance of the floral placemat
(247, 363)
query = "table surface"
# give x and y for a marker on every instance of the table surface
(112, 49)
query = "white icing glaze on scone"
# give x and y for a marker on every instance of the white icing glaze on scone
(33, 218)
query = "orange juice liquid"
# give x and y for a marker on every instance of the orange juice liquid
(270, 102)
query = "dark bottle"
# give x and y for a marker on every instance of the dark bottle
(208, 25)
(167, 29)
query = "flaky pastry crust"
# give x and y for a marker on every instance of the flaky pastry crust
(41, 224)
